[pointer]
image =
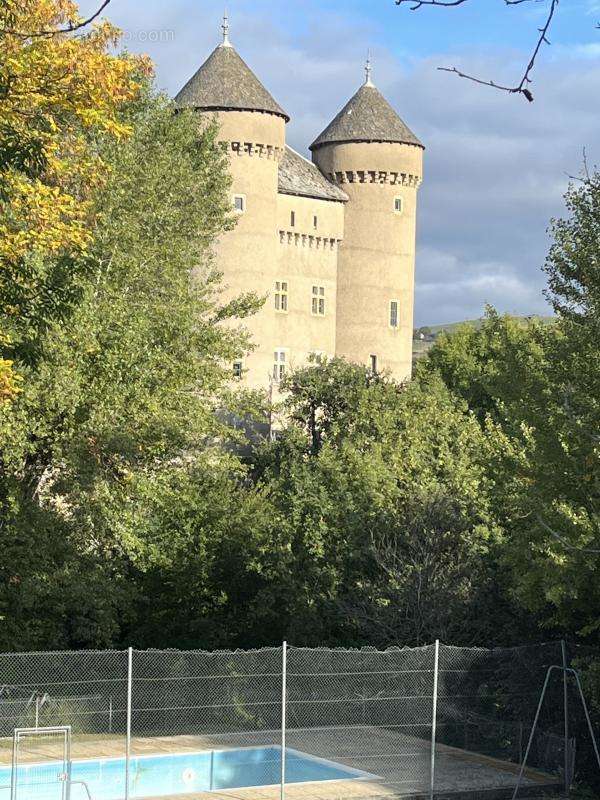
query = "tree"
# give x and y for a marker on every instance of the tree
(378, 493)
(327, 397)
(535, 387)
(198, 570)
(572, 264)
(565, 468)
(54, 88)
(487, 365)
(124, 391)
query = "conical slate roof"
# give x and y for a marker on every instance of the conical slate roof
(225, 81)
(366, 117)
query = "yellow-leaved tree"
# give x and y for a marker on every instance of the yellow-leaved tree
(59, 79)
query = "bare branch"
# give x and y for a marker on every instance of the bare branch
(70, 28)
(480, 81)
(520, 88)
(418, 3)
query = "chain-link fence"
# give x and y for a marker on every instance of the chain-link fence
(367, 709)
(295, 722)
(85, 690)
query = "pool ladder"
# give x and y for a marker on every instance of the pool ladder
(85, 786)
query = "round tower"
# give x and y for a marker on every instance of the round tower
(370, 153)
(252, 128)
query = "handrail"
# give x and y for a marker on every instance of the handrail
(85, 786)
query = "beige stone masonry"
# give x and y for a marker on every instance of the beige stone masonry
(376, 176)
(308, 240)
(256, 149)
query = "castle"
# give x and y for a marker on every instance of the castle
(330, 244)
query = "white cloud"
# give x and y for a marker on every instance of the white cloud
(583, 50)
(495, 166)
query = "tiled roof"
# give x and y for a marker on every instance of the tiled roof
(367, 117)
(225, 81)
(299, 176)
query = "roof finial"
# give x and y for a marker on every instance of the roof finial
(225, 27)
(368, 70)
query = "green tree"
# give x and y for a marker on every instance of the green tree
(489, 364)
(562, 481)
(196, 579)
(381, 525)
(124, 389)
(56, 90)
(536, 388)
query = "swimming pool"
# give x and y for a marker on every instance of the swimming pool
(177, 773)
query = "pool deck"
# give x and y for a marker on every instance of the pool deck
(401, 764)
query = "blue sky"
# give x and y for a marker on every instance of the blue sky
(496, 166)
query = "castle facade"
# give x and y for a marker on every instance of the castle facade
(329, 243)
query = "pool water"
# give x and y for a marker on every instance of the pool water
(179, 773)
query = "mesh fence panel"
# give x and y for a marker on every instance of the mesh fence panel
(487, 701)
(358, 722)
(86, 690)
(217, 716)
(366, 709)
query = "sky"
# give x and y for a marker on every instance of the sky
(496, 166)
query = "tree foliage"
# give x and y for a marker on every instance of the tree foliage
(537, 386)
(378, 494)
(55, 90)
(123, 392)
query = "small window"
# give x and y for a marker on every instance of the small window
(281, 296)
(373, 364)
(279, 365)
(239, 203)
(237, 370)
(398, 205)
(293, 219)
(315, 222)
(318, 300)
(393, 313)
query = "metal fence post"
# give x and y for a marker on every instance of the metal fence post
(566, 713)
(283, 720)
(436, 665)
(128, 734)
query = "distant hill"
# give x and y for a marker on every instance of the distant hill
(425, 336)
